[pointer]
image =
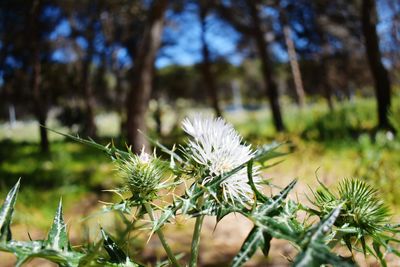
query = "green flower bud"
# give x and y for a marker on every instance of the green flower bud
(142, 174)
(362, 205)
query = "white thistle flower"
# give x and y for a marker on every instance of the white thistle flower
(217, 146)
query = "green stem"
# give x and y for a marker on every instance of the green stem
(161, 236)
(196, 237)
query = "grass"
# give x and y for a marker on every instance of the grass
(324, 144)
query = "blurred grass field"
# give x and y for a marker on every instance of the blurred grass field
(324, 144)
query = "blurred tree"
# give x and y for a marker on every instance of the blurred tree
(206, 65)
(119, 71)
(181, 82)
(29, 69)
(94, 30)
(122, 23)
(327, 34)
(10, 21)
(245, 17)
(40, 104)
(291, 51)
(382, 83)
(90, 20)
(261, 43)
(139, 94)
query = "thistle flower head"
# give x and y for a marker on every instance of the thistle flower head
(362, 207)
(142, 173)
(217, 148)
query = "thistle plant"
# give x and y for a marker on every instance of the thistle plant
(222, 175)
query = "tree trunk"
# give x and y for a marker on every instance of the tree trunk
(271, 88)
(326, 82)
(157, 117)
(39, 101)
(120, 95)
(208, 76)
(120, 100)
(328, 96)
(139, 94)
(294, 66)
(378, 71)
(89, 127)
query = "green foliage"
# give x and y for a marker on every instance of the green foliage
(315, 251)
(353, 215)
(347, 121)
(378, 161)
(55, 247)
(261, 235)
(68, 165)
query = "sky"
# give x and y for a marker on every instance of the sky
(185, 51)
(184, 30)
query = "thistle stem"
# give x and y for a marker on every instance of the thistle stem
(196, 237)
(161, 236)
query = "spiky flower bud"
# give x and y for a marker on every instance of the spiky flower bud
(362, 206)
(142, 173)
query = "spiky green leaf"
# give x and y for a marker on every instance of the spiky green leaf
(254, 240)
(317, 255)
(116, 254)
(6, 213)
(110, 149)
(272, 204)
(57, 238)
(377, 249)
(26, 250)
(314, 250)
(260, 237)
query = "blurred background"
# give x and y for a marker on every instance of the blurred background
(324, 75)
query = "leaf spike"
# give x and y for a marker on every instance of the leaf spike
(116, 254)
(7, 210)
(57, 238)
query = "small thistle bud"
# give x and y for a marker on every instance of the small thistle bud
(142, 173)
